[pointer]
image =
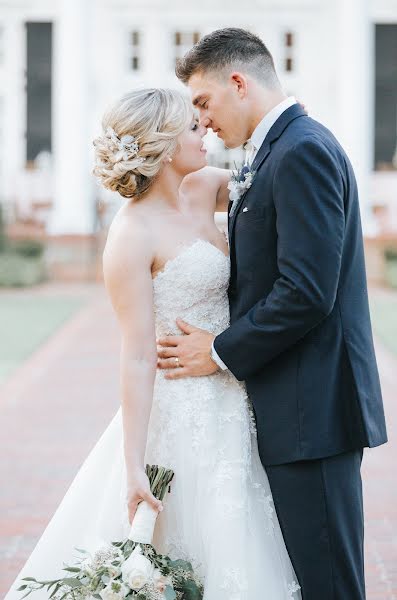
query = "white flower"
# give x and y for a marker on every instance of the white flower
(293, 588)
(137, 569)
(240, 182)
(136, 580)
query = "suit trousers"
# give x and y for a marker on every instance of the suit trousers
(319, 505)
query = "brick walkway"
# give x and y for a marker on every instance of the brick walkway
(53, 409)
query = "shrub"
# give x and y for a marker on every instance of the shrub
(28, 248)
(391, 254)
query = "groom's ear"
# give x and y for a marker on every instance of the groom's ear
(240, 83)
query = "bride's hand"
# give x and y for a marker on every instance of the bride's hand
(304, 107)
(138, 489)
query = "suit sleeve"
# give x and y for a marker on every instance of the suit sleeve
(308, 196)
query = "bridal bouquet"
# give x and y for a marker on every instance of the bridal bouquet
(130, 569)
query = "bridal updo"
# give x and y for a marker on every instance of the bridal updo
(140, 131)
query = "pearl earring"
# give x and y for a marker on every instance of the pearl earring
(169, 159)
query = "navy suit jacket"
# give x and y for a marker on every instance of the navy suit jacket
(300, 332)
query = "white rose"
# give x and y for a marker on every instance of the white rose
(137, 569)
(136, 580)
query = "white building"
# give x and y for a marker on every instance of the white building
(63, 61)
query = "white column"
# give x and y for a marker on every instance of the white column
(157, 55)
(73, 202)
(355, 92)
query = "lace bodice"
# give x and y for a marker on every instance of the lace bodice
(193, 286)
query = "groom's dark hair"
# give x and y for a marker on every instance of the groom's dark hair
(229, 47)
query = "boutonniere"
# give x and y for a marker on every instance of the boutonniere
(239, 183)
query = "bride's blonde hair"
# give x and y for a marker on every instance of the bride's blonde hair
(139, 131)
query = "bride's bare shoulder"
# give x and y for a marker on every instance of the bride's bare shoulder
(128, 244)
(206, 184)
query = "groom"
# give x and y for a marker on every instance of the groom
(300, 333)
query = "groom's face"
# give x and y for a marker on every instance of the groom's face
(222, 107)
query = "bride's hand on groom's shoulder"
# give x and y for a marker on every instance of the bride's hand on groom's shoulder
(138, 489)
(304, 107)
(186, 355)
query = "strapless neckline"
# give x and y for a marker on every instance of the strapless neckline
(185, 248)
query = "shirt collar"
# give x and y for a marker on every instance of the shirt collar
(263, 128)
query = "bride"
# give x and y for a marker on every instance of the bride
(165, 258)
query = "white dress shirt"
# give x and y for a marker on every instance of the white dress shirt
(251, 148)
(262, 129)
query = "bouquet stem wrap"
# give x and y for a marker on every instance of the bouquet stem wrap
(142, 528)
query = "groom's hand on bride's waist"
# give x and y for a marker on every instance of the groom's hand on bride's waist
(186, 355)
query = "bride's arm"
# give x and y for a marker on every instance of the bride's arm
(209, 184)
(223, 177)
(127, 261)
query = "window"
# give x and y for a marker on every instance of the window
(386, 97)
(135, 51)
(1, 45)
(289, 43)
(183, 41)
(38, 88)
(289, 39)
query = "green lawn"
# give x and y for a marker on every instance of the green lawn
(384, 320)
(28, 320)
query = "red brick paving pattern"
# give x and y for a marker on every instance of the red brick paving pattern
(53, 409)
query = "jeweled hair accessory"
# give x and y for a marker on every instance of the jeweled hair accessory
(127, 144)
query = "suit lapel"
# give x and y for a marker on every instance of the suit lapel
(275, 132)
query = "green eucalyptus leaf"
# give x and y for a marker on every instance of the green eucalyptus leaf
(52, 584)
(181, 564)
(190, 590)
(72, 582)
(169, 593)
(54, 591)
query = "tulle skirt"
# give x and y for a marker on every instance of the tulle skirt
(219, 515)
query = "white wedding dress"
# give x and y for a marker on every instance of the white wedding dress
(220, 513)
